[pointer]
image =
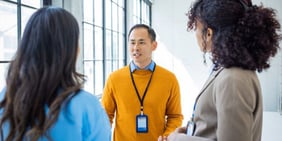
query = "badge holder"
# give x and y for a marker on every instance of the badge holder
(190, 127)
(142, 123)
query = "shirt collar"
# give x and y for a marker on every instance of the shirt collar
(134, 67)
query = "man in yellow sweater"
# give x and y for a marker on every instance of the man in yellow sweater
(143, 98)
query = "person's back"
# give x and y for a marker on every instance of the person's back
(43, 99)
(81, 118)
(229, 106)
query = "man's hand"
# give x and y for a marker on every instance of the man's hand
(162, 138)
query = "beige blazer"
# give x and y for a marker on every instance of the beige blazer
(229, 108)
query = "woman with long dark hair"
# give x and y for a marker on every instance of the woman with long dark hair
(43, 98)
(241, 38)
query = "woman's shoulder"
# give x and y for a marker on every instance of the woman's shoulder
(237, 73)
(81, 104)
(237, 76)
(84, 97)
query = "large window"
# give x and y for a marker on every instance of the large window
(142, 11)
(14, 15)
(103, 40)
(104, 33)
(104, 37)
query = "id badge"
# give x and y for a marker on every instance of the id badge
(190, 128)
(142, 123)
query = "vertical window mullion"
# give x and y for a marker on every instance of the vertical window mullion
(104, 39)
(112, 46)
(125, 31)
(19, 17)
(150, 15)
(140, 10)
(47, 2)
(94, 46)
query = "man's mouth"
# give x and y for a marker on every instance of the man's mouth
(136, 54)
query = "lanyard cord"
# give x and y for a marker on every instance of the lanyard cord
(2, 135)
(141, 100)
(194, 107)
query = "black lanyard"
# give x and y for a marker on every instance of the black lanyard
(141, 100)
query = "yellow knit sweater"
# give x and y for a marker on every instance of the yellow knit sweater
(162, 103)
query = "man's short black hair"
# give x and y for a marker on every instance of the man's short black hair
(150, 30)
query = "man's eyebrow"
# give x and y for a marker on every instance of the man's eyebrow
(132, 40)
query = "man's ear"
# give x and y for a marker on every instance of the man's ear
(155, 44)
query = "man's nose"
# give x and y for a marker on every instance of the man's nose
(136, 47)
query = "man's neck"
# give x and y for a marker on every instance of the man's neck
(142, 65)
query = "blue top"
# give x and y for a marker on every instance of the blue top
(134, 67)
(81, 119)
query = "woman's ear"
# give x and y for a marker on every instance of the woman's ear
(209, 34)
(209, 39)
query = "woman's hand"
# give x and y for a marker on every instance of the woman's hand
(172, 136)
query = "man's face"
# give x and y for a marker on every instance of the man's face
(141, 46)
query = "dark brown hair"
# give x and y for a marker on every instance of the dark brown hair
(244, 35)
(42, 74)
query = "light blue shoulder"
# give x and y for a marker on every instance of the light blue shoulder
(83, 97)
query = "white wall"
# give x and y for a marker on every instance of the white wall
(177, 49)
(179, 52)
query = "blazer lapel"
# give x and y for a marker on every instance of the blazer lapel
(210, 79)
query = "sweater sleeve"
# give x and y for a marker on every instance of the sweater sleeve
(108, 100)
(173, 110)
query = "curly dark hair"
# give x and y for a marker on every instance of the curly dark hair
(43, 73)
(244, 35)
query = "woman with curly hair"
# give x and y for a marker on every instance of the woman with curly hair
(241, 38)
(43, 99)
